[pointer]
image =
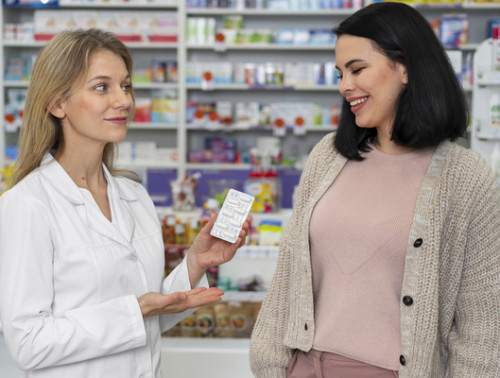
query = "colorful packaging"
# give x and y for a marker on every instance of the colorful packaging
(454, 30)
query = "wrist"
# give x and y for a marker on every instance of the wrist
(195, 270)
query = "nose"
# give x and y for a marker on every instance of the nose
(122, 99)
(345, 85)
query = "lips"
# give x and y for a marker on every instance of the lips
(120, 120)
(356, 102)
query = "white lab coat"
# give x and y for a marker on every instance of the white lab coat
(69, 278)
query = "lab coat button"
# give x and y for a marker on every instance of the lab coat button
(132, 257)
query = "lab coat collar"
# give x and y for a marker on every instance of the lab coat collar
(64, 185)
(60, 180)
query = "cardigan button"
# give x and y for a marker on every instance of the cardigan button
(407, 300)
(402, 360)
(305, 326)
(417, 243)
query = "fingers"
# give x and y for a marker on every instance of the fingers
(160, 304)
(211, 221)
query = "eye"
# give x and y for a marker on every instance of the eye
(357, 70)
(100, 87)
(126, 87)
(338, 75)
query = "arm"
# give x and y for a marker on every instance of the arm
(205, 252)
(269, 356)
(35, 336)
(474, 341)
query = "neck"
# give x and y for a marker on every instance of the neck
(387, 146)
(86, 171)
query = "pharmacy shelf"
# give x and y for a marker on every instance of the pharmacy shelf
(118, 5)
(245, 87)
(132, 45)
(218, 166)
(147, 165)
(15, 84)
(156, 86)
(152, 126)
(464, 6)
(267, 12)
(263, 46)
(270, 128)
(205, 357)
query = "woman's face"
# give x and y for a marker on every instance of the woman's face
(100, 103)
(370, 82)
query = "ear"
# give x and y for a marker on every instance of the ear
(404, 74)
(57, 110)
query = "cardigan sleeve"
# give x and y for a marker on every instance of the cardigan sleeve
(474, 341)
(269, 356)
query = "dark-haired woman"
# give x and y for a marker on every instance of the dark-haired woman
(390, 264)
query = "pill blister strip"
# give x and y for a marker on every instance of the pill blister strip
(232, 215)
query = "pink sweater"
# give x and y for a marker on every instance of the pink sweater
(358, 236)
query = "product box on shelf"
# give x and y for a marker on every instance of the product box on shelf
(142, 26)
(142, 112)
(454, 30)
(233, 319)
(13, 110)
(18, 69)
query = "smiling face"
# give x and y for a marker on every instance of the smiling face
(100, 104)
(370, 82)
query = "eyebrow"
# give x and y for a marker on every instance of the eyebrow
(104, 77)
(350, 63)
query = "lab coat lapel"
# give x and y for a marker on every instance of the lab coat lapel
(121, 197)
(97, 222)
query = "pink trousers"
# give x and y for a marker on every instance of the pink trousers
(315, 364)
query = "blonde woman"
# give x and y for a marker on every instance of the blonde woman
(81, 252)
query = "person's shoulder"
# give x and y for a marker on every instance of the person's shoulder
(465, 164)
(325, 144)
(31, 189)
(466, 158)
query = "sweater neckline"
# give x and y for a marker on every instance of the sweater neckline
(375, 153)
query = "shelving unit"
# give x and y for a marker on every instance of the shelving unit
(487, 83)
(181, 136)
(143, 53)
(257, 53)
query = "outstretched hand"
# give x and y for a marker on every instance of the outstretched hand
(153, 303)
(208, 251)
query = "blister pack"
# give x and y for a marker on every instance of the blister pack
(232, 215)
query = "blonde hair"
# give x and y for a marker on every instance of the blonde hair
(58, 66)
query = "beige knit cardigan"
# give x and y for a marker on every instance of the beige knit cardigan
(452, 272)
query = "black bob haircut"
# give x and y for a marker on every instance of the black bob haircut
(432, 107)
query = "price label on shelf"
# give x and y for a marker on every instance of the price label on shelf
(279, 127)
(220, 42)
(299, 128)
(207, 81)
